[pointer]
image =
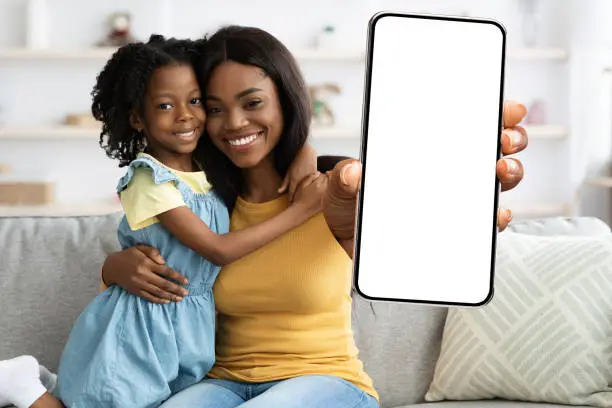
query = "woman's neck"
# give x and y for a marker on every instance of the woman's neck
(262, 182)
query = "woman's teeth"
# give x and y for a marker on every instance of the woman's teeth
(243, 141)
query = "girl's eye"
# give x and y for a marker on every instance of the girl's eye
(254, 104)
(196, 101)
(165, 106)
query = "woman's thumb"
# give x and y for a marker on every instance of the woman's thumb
(350, 176)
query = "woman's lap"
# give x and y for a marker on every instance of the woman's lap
(313, 391)
(203, 395)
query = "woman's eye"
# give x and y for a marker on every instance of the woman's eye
(212, 110)
(196, 101)
(254, 104)
(165, 106)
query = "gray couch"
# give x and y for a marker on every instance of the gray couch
(49, 271)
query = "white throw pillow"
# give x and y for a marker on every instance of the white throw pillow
(546, 336)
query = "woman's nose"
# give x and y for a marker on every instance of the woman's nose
(235, 120)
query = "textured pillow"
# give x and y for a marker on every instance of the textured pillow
(546, 336)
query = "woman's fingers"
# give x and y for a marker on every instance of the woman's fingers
(161, 291)
(509, 172)
(169, 273)
(504, 216)
(154, 299)
(513, 113)
(167, 289)
(513, 140)
(151, 253)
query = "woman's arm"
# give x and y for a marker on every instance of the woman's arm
(141, 271)
(189, 229)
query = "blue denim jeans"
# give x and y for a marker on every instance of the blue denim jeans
(311, 391)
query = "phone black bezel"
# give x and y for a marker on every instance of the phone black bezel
(364, 136)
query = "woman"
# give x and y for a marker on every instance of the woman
(284, 336)
(284, 331)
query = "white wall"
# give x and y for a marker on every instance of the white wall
(590, 97)
(41, 92)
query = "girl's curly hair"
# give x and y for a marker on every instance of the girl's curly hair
(121, 88)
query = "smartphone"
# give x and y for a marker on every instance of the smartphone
(433, 110)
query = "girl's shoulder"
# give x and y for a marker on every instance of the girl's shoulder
(145, 166)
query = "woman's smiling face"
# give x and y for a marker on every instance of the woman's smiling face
(244, 116)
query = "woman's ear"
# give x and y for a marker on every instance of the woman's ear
(135, 122)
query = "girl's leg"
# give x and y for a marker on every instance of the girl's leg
(46, 401)
(21, 385)
(313, 391)
(207, 394)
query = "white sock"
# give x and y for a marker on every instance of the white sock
(20, 382)
(48, 379)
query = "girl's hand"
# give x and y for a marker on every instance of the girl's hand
(141, 270)
(310, 192)
(304, 165)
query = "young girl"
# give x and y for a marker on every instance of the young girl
(125, 351)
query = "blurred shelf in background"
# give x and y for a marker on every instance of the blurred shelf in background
(65, 132)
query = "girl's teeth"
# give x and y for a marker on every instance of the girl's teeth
(243, 141)
(185, 134)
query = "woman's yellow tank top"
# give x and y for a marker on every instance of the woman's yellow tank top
(285, 310)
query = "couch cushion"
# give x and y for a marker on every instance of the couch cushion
(486, 404)
(49, 272)
(399, 346)
(399, 343)
(545, 336)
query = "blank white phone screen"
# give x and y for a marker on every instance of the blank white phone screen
(426, 228)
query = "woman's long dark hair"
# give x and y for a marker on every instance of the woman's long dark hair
(255, 47)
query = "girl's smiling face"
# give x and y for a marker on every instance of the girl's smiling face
(174, 117)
